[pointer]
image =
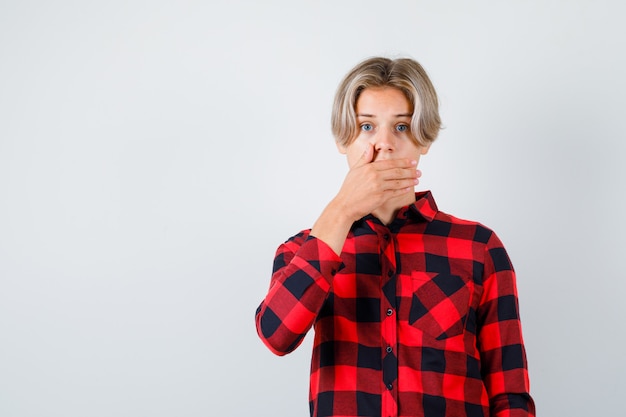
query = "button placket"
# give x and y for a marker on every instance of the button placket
(389, 321)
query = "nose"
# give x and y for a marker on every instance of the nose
(385, 141)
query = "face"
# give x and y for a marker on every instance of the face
(383, 117)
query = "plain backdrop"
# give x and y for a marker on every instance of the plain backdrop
(154, 154)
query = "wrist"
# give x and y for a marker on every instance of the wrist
(333, 226)
(340, 212)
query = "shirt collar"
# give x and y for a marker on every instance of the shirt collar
(424, 205)
(424, 208)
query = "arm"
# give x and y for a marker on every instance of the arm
(304, 268)
(503, 356)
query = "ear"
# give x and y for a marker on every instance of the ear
(341, 148)
(424, 149)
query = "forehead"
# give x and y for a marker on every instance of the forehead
(382, 99)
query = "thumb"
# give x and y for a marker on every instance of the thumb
(367, 157)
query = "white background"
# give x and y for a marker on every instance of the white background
(153, 155)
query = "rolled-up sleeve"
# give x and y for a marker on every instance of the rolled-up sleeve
(303, 272)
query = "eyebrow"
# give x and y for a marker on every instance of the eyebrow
(397, 115)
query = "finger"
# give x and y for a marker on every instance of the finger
(398, 174)
(395, 163)
(400, 184)
(399, 191)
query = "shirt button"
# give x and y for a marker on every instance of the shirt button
(386, 236)
(389, 312)
(390, 273)
(389, 349)
(389, 386)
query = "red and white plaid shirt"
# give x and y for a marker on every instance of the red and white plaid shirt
(416, 318)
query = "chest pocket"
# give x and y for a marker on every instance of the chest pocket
(440, 304)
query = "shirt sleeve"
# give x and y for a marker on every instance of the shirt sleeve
(304, 268)
(503, 356)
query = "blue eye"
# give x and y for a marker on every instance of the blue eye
(366, 127)
(402, 128)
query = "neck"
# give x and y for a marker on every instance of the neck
(387, 212)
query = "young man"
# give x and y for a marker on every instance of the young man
(415, 311)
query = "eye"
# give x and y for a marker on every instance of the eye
(366, 127)
(402, 128)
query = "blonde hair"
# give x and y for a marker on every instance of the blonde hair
(405, 74)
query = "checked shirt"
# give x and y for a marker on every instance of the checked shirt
(416, 318)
